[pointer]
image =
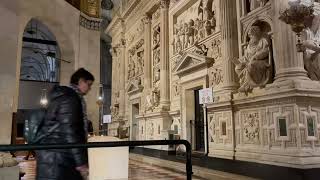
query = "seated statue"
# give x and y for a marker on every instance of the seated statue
(254, 68)
(311, 51)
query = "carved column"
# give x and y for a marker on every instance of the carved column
(164, 55)
(288, 63)
(122, 78)
(147, 52)
(229, 33)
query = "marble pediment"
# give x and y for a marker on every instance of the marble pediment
(192, 62)
(134, 88)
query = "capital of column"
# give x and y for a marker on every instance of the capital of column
(164, 4)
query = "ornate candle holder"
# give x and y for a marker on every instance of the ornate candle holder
(298, 16)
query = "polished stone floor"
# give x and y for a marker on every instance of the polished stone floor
(137, 171)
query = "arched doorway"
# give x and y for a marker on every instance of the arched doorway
(39, 72)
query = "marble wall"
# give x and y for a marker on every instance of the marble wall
(265, 98)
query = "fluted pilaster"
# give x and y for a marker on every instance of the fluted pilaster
(288, 62)
(122, 78)
(147, 52)
(164, 55)
(229, 32)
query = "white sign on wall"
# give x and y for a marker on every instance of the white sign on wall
(107, 118)
(205, 96)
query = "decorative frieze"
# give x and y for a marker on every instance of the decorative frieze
(89, 22)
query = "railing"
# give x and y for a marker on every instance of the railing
(28, 147)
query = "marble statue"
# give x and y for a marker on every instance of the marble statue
(311, 53)
(254, 69)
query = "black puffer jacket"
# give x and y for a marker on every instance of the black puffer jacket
(64, 108)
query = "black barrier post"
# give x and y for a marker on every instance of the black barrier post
(27, 147)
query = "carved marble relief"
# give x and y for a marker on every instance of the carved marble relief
(156, 56)
(251, 128)
(215, 76)
(188, 31)
(255, 67)
(214, 50)
(136, 62)
(176, 89)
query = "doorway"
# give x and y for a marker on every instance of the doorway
(135, 123)
(198, 123)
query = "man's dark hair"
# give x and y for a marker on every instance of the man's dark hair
(81, 73)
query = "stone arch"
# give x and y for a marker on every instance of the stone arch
(261, 20)
(67, 49)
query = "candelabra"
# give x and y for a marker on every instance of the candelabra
(298, 16)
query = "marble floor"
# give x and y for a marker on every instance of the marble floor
(137, 171)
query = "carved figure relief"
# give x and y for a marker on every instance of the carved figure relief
(136, 61)
(200, 49)
(254, 69)
(152, 100)
(251, 127)
(207, 15)
(176, 89)
(114, 112)
(186, 33)
(312, 49)
(215, 76)
(215, 50)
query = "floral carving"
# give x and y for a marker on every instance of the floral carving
(251, 127)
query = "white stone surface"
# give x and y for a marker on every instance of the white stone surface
(9, 173)
(108, 163)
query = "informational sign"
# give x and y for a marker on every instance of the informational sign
(107, 118)
(205, 96)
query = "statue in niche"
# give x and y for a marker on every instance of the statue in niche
(254, 69)
(254, 4)
(311, 53)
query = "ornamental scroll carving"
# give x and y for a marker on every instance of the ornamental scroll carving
(251, 127)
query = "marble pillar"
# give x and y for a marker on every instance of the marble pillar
(147, 52)
(229, 34)
(122, 78)
(288, 62)
(164, 55)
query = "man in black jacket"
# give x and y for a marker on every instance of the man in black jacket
(66, 122)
